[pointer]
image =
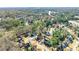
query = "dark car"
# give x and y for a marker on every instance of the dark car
(47, 43)
(69, 39)
(60, 47)
(27, 34)
(47, 33)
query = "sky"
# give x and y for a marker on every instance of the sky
(39, 3)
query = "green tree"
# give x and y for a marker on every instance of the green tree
(8, 24)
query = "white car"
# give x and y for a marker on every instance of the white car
(78, 39)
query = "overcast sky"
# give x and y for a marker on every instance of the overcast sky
(39, 3)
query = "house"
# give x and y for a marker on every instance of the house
(74, 23)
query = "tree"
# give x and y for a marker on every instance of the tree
(10, 23)
(63, 17)
(37, 26)
(57, 37)
(55, 41)
(48, 23)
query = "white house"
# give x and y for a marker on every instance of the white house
(49, 13)
(74, 23)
